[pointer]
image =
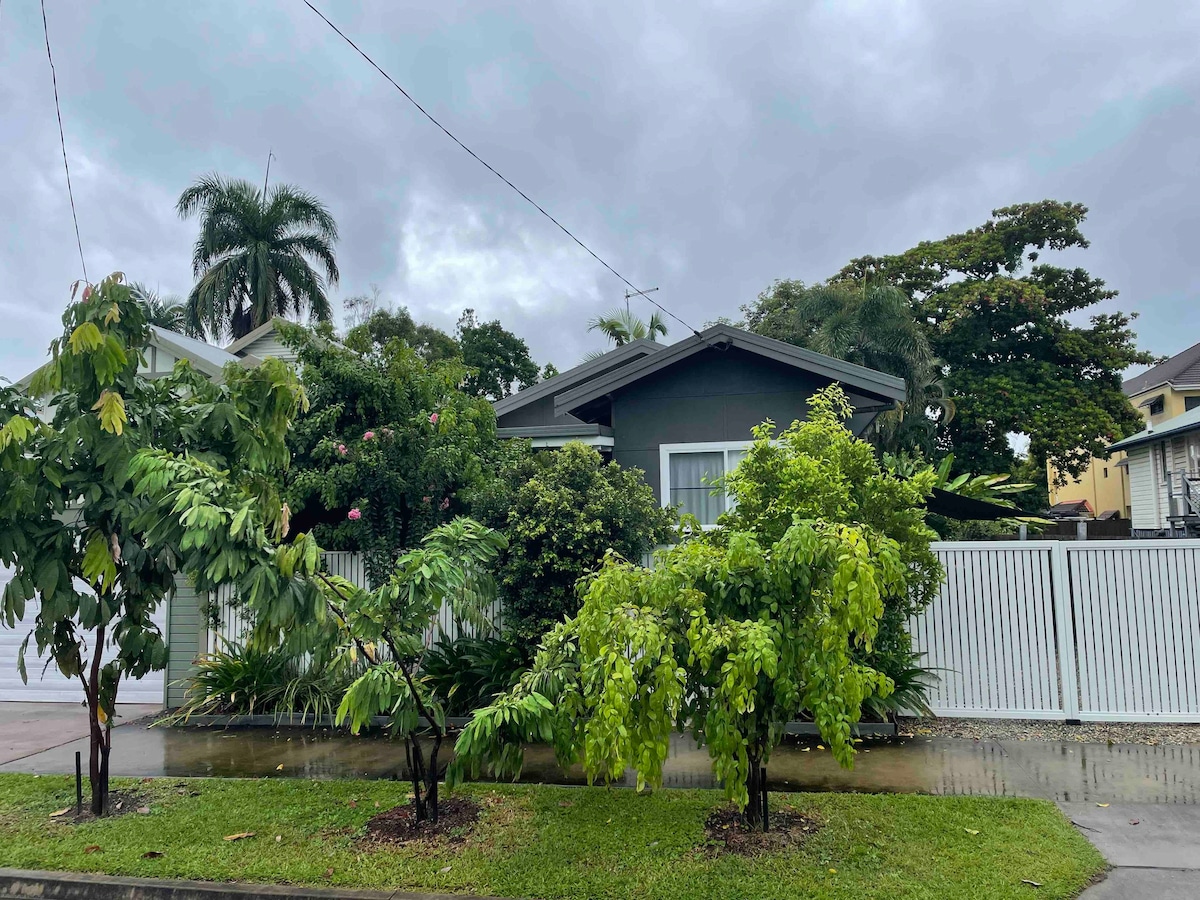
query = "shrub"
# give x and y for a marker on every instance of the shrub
(562, 510)
(469, 672)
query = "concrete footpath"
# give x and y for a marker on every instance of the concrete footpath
(1154, 848)
(17, 883)
(27, 729)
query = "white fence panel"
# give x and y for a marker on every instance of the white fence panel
(1137, 629)
(990, 633)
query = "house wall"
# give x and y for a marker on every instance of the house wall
(185, 639)
(712, 396)
(1148, 485)
(270, 345)
(539, 412)
(159, 361)
(1143, 492)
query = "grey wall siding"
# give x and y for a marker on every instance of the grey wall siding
(185, 636)
(540, 412)
(712, 396)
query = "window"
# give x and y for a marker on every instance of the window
(1157, 406)
(1190, 403)
(1106, 471)
(1162, 461)
(688, 473)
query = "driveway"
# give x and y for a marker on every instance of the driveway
(29, 728)
(1154, 848)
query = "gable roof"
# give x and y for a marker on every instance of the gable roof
(859, 378)
(1180, 424)
(1182, 369)
(250, 337)
(204, 357)
(571, 378)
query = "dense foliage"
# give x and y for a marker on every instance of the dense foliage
(255, 256)
(70, 514)
(562, 511)
(1014, 360)
(737, 630)
(390, 447)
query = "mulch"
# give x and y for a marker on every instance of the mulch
(120, 803)
(726, 831)
(456, 818)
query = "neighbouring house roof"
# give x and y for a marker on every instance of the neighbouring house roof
(1070, 509)
(858, 378)
(1180, 424)
(204, 357)
(249, 338)
(1181, 370)
(569, 379)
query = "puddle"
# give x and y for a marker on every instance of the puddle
(1066, 771)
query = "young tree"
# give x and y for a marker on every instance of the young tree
(1015, 362)
(255, 256)
(562, 510)
(733, 633)
(70, 515)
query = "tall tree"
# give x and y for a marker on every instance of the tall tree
(257, 255)
(383, 325)
(622, 326)
(73, 524)
(169, 312)
(870, 325)
(1015, 362)
(500, 360)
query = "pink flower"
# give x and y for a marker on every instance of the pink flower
(354, 515)
(367, 435)
(445, 504)
(342, 449)
(433, 418)
(425, 500)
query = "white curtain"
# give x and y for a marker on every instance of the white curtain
(691, 488)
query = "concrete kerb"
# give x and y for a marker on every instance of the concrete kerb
(18, 883)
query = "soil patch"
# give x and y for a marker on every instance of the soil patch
(456, 819)
(726, 831)
(120, 803)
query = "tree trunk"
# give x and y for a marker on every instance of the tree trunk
(431, 777)
(416, 770)
(98, 746)
(754, 788)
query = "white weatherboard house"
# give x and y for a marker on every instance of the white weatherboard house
(1164, 476)
(179, 619)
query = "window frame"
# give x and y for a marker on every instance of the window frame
(664, 464)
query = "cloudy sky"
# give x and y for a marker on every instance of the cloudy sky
(703, 148)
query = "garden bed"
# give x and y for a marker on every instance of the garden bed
(554, 842)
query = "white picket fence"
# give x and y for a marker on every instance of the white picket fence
(235, 621)
(1095, 631)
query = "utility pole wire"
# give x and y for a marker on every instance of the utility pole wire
(62, 140)
(265, 177)
(635, 290)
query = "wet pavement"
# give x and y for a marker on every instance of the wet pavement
(1068, 772)
(27, 728)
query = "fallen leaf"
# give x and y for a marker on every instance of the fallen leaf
(971, 830)
(377, 804)
(833, 871)
(566, 803)
(60, 813)
(241, 835)
(820, 746)
(144, 810)
(353, 804)
(279, 768)
(152, 854)
(1102, 805)
(444, 869)
(654, 843)
(329, 873)
(147, 780)
(805, 749)
(92, 848)
(278, 838)
(1135, 821)
(1030, 882)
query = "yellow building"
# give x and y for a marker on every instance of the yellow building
(1161, 393)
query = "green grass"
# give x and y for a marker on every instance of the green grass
(557, 842)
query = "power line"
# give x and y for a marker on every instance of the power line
(62, 140)
(635, 290)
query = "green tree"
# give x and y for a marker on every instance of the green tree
(169, 312)
(499, 360)
(383, 326)
(621, 327)
(255, 256)
(1015, 362)
(561, 511)
(391, 446)
(732, 633)
(70, 514)
(870, 325)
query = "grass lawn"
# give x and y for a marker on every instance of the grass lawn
(535, 841)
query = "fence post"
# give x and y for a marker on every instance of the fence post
(1064, 631)
(1081, 530)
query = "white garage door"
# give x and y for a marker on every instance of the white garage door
(51, 686)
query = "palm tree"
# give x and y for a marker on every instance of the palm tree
(621, 326)
(169, 312)
(873, 325)
(254, 257)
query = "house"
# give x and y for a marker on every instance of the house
(682, 413)
(1164, 476)
(1161, 393)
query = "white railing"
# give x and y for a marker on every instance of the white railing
(1096, 631)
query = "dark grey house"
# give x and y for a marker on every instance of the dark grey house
(683, 412)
